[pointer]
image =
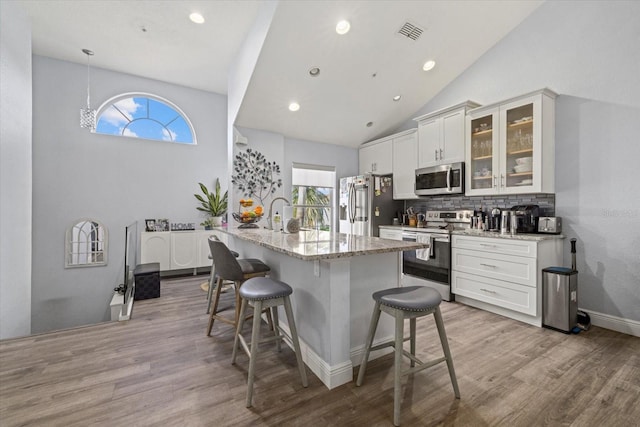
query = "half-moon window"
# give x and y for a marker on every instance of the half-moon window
(144, 116)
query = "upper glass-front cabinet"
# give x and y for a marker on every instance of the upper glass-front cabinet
(510, 146)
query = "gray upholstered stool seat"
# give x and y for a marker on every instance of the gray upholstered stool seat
(213, 278)
(262, 288)
(263, 293)
(411, 298)
(229, 268)
(407, 303)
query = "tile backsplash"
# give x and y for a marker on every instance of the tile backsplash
(546, 202)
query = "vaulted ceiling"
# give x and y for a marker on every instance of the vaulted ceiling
(360, 72)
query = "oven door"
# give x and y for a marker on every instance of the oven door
(428, 267)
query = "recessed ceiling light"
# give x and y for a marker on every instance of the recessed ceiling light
(429, 65)
(343, 27)
(369, 124)
(294, 106)
(197, 18)
(397, 98)
(314, 72)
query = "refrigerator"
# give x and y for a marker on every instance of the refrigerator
(366, 202)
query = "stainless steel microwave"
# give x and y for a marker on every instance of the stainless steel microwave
(441, 179)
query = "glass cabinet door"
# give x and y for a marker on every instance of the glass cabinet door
(483, 146)
(519, 152)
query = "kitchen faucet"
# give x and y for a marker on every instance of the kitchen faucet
(270, 227)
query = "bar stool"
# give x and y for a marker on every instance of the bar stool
(234, 270)
(213, 277)
(263, 293)
(407, 303)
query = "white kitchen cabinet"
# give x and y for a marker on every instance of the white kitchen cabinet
(376, 157)
(390, 233)
(394, 233)
(156, 247)
(510, 146)
(405, 162)
(177, 250)
(503, 275)
(184, 250)
(441, 135)
(203, 245)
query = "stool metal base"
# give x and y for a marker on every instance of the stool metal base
(397, 344)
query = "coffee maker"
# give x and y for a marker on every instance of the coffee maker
(526, 218)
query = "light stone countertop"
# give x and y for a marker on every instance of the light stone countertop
(523, 236)
(490, 234)
(311, 245)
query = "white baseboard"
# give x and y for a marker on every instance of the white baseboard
(331, 376)
(618, 324)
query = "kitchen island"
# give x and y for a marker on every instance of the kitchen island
(333, 276)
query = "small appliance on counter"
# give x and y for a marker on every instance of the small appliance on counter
(494, 219)
(550, 224)
(505, 222)
(526, 218)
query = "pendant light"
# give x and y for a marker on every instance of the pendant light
(87, 115)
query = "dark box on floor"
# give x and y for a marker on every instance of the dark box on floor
(147, 281)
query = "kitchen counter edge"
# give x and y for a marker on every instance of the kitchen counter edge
(366, 245)
(488, 234)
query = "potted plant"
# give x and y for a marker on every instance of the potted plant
(214, 204)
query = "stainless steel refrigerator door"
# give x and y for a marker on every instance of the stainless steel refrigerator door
(354, 207)
(343, 206)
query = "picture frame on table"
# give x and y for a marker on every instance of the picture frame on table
(162, 224)
(150, 224)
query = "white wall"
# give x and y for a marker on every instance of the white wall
(15, 171)
(116, 180)
(285, 151)
(587, 52)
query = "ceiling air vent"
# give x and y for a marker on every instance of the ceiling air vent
(411, 31)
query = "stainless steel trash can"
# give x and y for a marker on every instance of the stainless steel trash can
(560, 298)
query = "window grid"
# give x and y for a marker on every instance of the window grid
(86, 243)
(144, 116)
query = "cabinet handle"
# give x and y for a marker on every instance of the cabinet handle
(495, 181)
(486, 245)
(489, 265)
(441, 156)
(436, 155)
(488, 291)
(502, 180)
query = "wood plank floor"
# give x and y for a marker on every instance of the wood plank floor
(160, 369)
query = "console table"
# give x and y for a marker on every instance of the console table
(177, 250)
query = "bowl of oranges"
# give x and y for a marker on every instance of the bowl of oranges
(247, 214)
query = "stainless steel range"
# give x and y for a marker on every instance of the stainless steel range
(432, 266)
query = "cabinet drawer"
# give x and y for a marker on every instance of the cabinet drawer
(503, 294)
(501, 246)
(510, 268)
(385, 233)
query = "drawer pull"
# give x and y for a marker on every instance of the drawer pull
(488, 291)
(486, 245)
(489, 265)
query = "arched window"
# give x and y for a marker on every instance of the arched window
(141, 115)
(86, 244)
